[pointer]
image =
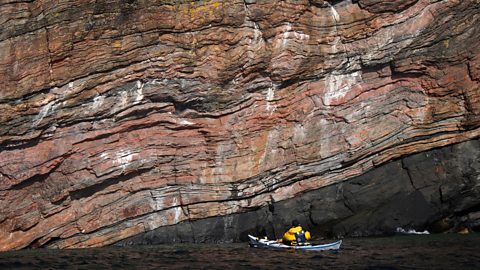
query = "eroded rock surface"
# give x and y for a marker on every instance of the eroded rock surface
(124, 117)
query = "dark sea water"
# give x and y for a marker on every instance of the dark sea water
(445, 251)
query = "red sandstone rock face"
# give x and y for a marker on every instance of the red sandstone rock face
(122, 117)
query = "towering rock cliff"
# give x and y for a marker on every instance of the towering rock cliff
(126, 120)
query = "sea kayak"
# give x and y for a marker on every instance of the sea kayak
(265, 243)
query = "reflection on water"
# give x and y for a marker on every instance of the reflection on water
(447, 251)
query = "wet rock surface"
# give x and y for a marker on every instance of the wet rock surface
(125, 117)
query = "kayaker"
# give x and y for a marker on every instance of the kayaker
(296, 236)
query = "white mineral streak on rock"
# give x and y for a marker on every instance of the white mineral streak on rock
(254, 44)
(335, 14)
(285, 34)
(97, 102)
(269, 97)
(288, 35)
(123, 158)
(44, 111)
(158, 198)
(178, 214)
(336, 19)
(338, 39)
(123, 99)
(337, 86)
(257, 34)
(177, 210)
(186, 122)
(139, 91)
(105, 155)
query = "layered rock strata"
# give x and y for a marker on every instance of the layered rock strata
(124, 117)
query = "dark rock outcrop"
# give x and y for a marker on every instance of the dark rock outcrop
(125, 117)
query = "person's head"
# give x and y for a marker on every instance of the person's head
(295, 223)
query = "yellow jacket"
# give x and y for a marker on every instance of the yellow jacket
(289, 236)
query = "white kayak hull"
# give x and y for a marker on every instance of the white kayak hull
(265, 243)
